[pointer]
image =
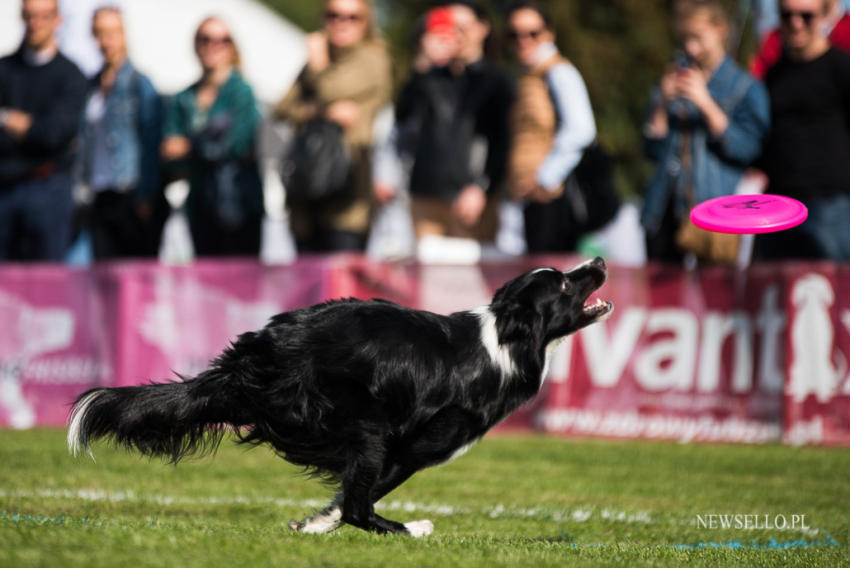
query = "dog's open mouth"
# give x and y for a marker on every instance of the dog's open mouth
(593, 273)
(598, 309)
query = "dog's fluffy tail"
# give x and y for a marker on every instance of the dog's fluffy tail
(169, 420)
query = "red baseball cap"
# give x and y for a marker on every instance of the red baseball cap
(440, 21)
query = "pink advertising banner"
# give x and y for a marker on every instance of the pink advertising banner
(714, 355)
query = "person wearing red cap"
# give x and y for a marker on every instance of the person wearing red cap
(454, 104)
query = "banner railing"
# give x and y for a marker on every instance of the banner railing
(713, 355)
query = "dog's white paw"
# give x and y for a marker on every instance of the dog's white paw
(322, 522)
(321, 527)
(419, 529)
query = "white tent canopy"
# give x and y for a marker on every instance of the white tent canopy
(160, 35)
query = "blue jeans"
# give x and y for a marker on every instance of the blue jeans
(35, 219)
(825, 235)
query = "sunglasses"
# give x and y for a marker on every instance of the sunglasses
(516, 35)
(213, 40)
(334, 17)
(788, 15)
(43, 16)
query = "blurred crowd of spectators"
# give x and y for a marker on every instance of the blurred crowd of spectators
(473, 148)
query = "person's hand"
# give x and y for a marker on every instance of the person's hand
(144, 210)
(533, 191)
(318, 57)
(344, 113)
(469, 205)
(175, 148)
(523, 190)
(17, 123)
(669, 85)
(540, 194)
(691, 84)
(383, 193)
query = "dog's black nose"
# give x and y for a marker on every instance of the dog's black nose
(599, 261)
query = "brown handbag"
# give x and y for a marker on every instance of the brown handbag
(708, 246)
(717, 248)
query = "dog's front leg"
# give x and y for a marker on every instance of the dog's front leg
(363, 516)
(359, 485)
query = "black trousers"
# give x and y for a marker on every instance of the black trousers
(550, 227)
(661, 244)
(211, 237)
(331, 240)
(35, 219)
(117, 229)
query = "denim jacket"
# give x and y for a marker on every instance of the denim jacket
(717, 163)
(134, 125)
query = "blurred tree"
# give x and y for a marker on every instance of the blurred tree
(621, 48)
(306, 14)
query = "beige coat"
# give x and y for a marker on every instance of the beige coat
(533, 125)
(361, 74)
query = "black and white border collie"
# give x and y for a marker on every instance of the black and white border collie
(362, 393)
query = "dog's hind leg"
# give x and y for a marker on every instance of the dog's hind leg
(324, 521)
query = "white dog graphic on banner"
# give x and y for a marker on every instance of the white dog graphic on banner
(812, 341)
(190, 321)
(28, 332)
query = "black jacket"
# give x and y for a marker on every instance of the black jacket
(54, 94)
(448, 112)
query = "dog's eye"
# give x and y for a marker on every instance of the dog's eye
(565, 285)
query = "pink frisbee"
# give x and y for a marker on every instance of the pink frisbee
(743, 214)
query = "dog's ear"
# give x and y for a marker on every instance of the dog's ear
(517, 317)
(519, 325)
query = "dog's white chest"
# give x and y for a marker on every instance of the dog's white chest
(500, 356)
(550, 352)
(461, 451)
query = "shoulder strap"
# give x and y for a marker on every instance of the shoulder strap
(742, 84)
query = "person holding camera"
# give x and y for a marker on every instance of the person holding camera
(707, 123)
(462, 107)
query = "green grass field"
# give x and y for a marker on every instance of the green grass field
(512, 501)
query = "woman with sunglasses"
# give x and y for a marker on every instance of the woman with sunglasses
(552, 124)
(210, 130)
(347, 79)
